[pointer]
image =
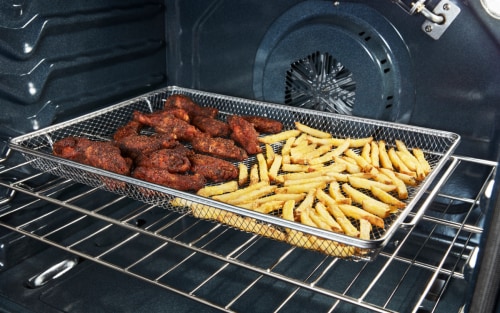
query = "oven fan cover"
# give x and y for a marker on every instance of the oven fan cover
(343, 58)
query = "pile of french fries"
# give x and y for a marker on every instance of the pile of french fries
(344, 185)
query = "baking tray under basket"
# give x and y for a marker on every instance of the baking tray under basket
(100, 125)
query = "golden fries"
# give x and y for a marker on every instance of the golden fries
(305, 175)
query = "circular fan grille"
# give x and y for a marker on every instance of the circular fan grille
(320, 82)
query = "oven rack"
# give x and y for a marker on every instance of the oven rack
(161, 247)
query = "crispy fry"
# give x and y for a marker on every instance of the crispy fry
(386, 197)
(254, 194)
(287, 212)
(219, 189)
(365, 166)
(372, 205)
(254, 174)
(340, 217)
(322, 212)
(235, 194)
(365, 229)
(270, 139)
(324, 178)
(397, 162)
(312, 131)
(335, 192)
(309, 156)
(306, 219)
(385, 161)
(374, 155)
(307, 203)
(287, 167)
(419, 154)
(300, 188)
(407, 179)
(285, 150)
(365, 152)
(280, 197)
(357, 213)
(351, 168)
(363, 183)
(263, 172)
(329, 156)
(242, 174)
(275, 167)
(267, 207)
(269, 154)
(400, 185)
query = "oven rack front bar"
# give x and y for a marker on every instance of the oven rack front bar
(159, 247)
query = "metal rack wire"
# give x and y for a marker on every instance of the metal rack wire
(163, 248)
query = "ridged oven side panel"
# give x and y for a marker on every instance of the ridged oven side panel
(59, 60)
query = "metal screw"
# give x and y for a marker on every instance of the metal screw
(446, 6)
(336, 3)
(428, 28)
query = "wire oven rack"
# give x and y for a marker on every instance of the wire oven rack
(100, 125)
(164, 247)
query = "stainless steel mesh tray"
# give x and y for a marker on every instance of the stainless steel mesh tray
(100, 125)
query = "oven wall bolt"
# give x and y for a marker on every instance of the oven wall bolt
(428, 28)
(446, 6)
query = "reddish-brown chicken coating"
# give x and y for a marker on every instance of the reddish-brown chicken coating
(175, 160)
(213, 169)
(103, 155)
(168, 125)
(132, 128)
(218, 147)
(211, 126)
(193, 109)
(165, 178)
(244, 133)
(264, 124)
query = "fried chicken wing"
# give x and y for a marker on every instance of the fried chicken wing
(132, 128)
(213, 169)
(103, 155)
(264, 124)
(165, 178)
(135, 146)
(175, 160)
(211, 126)
(193, 109)
(168, 124)
(244, 133)
(219, 147)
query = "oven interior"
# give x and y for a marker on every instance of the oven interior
(67, 247)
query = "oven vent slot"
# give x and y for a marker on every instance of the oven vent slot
(320, 82)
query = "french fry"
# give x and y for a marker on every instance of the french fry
(419, 154)
(372, 205)
(242, 174)
(275, 167)
(312, 131)
(280, 197)
(357, 213)
(374, 155)
(363, 183)
(365, 152)
(307, 203)
(407, 179)
(335, 192)
(306, 219)
(219, 189)
(365, 228)
(300, 150)
(385, 161)
(397, 162)
(254, 194)
(269, 154)
(242, 191)
(365, 166)
(267, 207)
(301, 140)
(287, 211)
(339, 216)
(329, 156)
(302, 187)
(400, 185)
(307, 157)
(322, 212)
(324, 178)
(263, 172)
(359, 142)
(285, 150)
(387, 198)
(287, 167)
(270, 139)
(254, 174)
(351, 168)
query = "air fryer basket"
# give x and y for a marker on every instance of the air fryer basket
(100, 125)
